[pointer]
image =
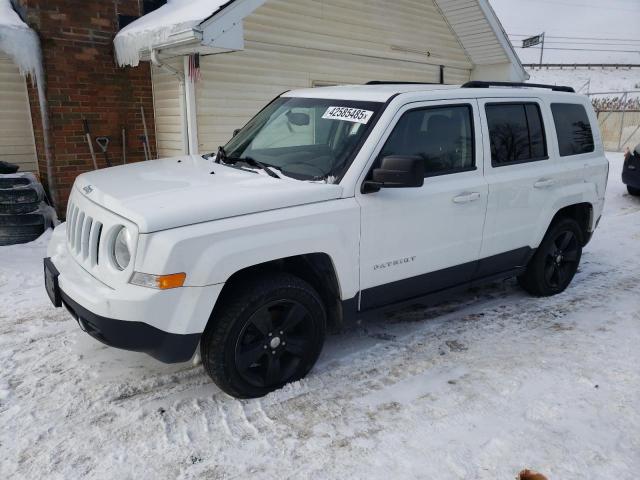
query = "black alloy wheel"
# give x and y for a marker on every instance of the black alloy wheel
(561, 260)
(556, 261)
(276, 340)
(266, 331)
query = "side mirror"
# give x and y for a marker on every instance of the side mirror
(396, 171)
(236, 131)
(298, 119)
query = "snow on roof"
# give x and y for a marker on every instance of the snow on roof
(18, 41)
(156, 27)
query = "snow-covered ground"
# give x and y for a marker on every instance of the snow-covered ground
(479, 388)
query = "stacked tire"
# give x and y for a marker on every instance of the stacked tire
(24, 212)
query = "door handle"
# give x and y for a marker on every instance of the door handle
(466, 198)
(544, 183)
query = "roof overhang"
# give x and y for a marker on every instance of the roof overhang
(483, 38)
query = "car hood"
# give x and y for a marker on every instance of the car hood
(168, 193)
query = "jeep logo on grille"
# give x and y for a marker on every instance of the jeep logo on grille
(88, 189)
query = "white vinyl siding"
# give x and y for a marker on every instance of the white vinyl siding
(169, 111)
(17, 144)
(294, 43)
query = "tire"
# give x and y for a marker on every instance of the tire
(266, 332)
(12, 182)
(20, 199)
(633, 191)
(27, 194)
(556, 261)
(16, 229)
(18, 208)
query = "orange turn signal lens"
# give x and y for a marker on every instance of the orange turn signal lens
(160, 282)
(176, 280)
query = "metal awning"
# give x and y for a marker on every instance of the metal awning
(185, 26)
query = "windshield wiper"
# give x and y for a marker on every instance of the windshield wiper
(221, 156)
(254, 163)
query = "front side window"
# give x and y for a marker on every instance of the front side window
(516, 133)
(573, 129)
(305, 138)
(442, 136)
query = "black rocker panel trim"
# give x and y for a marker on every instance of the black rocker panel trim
(388, 293)
(504, 265)
(135, 336)
(503, 262)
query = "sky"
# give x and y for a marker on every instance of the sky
(591, 24)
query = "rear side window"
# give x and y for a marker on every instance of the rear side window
(516, 132)
(573, 129)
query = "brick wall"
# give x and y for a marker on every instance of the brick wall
(83, 82)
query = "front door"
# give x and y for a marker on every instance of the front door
(416, 241)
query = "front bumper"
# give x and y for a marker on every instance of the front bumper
(135, 336)
(164, 324)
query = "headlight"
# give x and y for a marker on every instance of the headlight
(122, 249)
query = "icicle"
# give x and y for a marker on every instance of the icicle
(18, 41)
(23, 47)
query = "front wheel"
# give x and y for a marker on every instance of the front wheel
(633, 191)
(556, 261)
(266, 333)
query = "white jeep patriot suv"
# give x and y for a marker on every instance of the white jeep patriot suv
(330, 203)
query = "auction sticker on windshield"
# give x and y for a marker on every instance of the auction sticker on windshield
(347, 114)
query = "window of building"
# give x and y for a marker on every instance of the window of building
(516, 133)
(442, 136)
(573, 129)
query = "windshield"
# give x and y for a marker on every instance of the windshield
(305, 138)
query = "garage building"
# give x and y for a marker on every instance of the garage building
(248, 51)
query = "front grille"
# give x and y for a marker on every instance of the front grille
(91, 230)
(83, 235)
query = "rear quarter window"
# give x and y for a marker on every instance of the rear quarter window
(573, 129)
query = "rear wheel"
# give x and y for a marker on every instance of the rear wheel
(556, 261)
(633, 191)
(265, 334)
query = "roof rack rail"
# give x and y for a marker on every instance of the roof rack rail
(480, 84)
(382, 82)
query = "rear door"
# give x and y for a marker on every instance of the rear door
(522, 176)
(419, 240)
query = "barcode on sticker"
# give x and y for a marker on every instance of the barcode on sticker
(347, 114)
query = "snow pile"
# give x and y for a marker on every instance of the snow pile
(585, 80)
(156, 27)
(19, 42)
(532, 55)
